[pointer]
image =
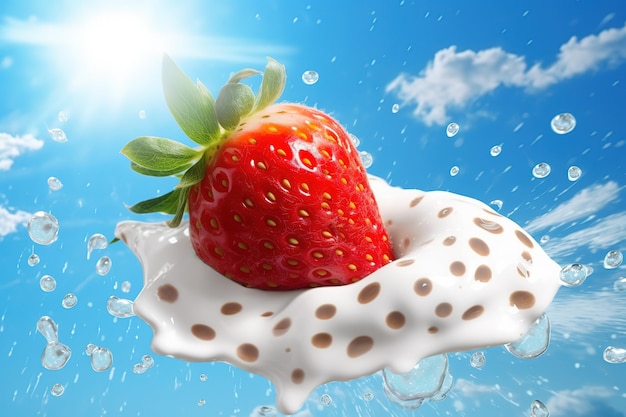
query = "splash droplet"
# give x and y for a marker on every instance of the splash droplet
(103, 266)
(55, 355)
(43, 228)
(63, 116)
(57, 135)
(410, 389)
(539, 409)
(563, 123)
(203, 378)
(574, 173)
(96, 241)
(266, 411)
(326, 400)
(544, 239)
(366, 158)
(126, 286)
(101, 358)
(541, 170)
(69, 301)
(368, 396)
(573, 275)
(497, 203)
(477, 360)
(201, 402)
(119, 307)
(57, 390)
(355, 140)
(452, 129)
(534, 342)
(613, 259)
(620, 284)
(395, 108)
(310, 77)
(614, 354)
(495, 150)
(47, 283)
(454, 171)
(33, 259)
(54, 184)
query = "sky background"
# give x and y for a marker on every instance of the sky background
(500, 69)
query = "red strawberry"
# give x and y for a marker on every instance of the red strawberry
(276, 194)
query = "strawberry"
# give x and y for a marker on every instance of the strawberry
(276, 193)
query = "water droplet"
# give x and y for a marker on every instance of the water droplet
(452, 129)
(368, 396)
(103, 266)
(366, 158)
(355, 140)
(266, 411)
(620, 284)
(495, 150)
(534, 342)
(477, 360)
(47, 283)
(539, 409)
(613, 259)
(119, 307)
(613, 354)
(55, 355)
(126, 286)
(326, 400)
(574, 173)
(541, 170)
(96, 241)
(63, 116)
(563, 123)
(142, 114)
(54, 184)
(147, 361)
(446, 386)
(101, 357)
(57, 390)
(57, 135)
(203, 378)
(573, 275)
(69, 301)
(497, 203)
(395, 108)
(410, 389)
(310, 77)
(43, 228)
(33, 259)
(454, 171)
(201, 402)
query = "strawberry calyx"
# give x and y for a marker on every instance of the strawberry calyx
(206, 121)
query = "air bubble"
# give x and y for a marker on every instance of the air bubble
(613, 259)
(69, 301)
(57, 390)
(613, 354)
(101, 358)
(573, 275)
(126, 286)
(620, 284)
(454, 171)
(54, 184)
(477, 360)
(33, 259)
(43, 228)
(103, 266)
(119, 307)
(395, 108)
(534, 342)
(541, 170)
(47, 283)
(563, 123)
(539, 409)
(96, 241)
(495, 150)
(574, 173)
(452, 129)
(57, 135)
(366, 159)
(310, 77)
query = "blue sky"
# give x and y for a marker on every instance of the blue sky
(500, 69)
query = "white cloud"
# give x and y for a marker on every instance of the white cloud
(471, 389)
(9, 221)
(584, 401)
(585, 202)
(13, 146)
(454, 79)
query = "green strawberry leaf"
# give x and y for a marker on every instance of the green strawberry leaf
(181, 207)
(243, 74)
(151, 172)
(160, 154)
(233, 102)
(192, 106)
(272, 86)
(166, 203)
(193, 175)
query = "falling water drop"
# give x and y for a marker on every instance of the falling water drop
(454, 171)
(534, 342)
(204, 378)
(452, 129)
(57, 135)
(57, 390)
(101, 358)
(310, 77)
(54, 184)
(55, 355)
(395, 108)
(574, 173)
(539, 409)
(613, 354)
(96, 241)
(613, 259)
(573, 275)
(366, 158)
(47, 283)
(541, 170)
(563, 123)
(69, 301)
(119, 307)
(495, 150)
(43, 228)
(33, 259)
(201, 402)
(103, 266)
(477, 360)
(146, 363)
